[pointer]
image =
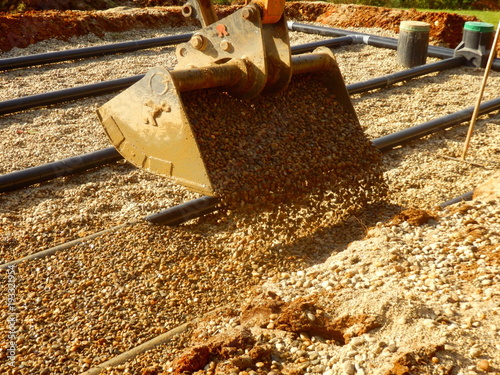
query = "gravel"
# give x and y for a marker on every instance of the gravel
(297, 153)
(433, 285)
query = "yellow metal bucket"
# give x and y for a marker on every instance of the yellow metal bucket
(172, 122)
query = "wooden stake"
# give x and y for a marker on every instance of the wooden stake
(481, 91)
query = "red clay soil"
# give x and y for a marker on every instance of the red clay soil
(25, 28)
(26, 5)
(21, 30)
(446, 28)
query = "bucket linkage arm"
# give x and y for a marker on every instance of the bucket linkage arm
(204, 12)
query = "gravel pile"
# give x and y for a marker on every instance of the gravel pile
(274, 150)
(85, 305)
(414, 296)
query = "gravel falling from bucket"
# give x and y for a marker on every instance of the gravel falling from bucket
(298, 154)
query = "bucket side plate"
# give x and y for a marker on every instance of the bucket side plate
(148, 125)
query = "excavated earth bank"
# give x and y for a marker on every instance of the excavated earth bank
(23, 29)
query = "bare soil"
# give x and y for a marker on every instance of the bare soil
(62, 19)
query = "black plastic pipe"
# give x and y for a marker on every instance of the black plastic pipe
(395, 139)
(417, 71)
(373, 40)
(26, 177)
(186, 211)
(330, 43)
(80, 53)
(60, 96)
(106, 87)
(362, 38)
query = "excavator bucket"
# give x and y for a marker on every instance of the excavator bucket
(148, 125)
(207, 123)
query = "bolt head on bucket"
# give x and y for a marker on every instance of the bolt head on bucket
(148, 125)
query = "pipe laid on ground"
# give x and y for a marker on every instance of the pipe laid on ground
(106, 87)
(330, 43)
(362, 38)
(417, 71)
(395, 139)
(26, 177)
(144, 347)
(461, 198)
(150, 344)
(64, 246)
(186, 211)
(131, 46)
(60, 96)
(80, 53)
(373, 40)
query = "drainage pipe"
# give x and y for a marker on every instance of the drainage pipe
(395, 139)
(135, 45)
(362, 38)
(106, 87)
(390, 79)
(60, 96)
(464, 197)
(373, 40)
(186, 211)
(330, 43)
(64, 246)
(80, 53)
(26, 177)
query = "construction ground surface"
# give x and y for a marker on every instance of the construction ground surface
(401, 287)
